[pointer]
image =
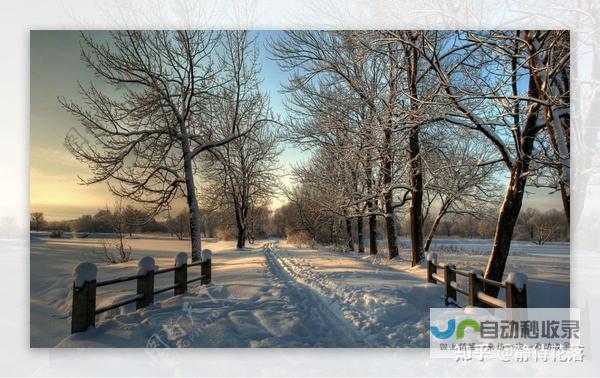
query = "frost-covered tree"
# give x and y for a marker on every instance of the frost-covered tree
(242, 174)
(145, 126)
(333, 73)
(490, 80)
(385, 98)
(331, 183)
(376, 90)
(459, 180)
(551, 70)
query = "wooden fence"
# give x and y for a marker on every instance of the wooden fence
(84, 311)
(515, 297)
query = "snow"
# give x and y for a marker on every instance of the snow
(206, 255)
(562, 144)
(433, 257)
(280, 296)
(270, 294)
(54, 260)
(84, 272)
(519, 280)
(145, 265)
(181, 259)
(387, 307)
(491, 134)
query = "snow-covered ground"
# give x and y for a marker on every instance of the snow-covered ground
(52, 262)
(270, 295)
(483, 246)
(547, 266)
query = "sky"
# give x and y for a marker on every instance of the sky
(55, 68)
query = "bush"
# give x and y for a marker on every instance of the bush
(226, 233)
(300, 239)
(56, 234)
(114, 252)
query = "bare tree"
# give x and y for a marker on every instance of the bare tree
(115, 251)
(551, 70)
(460, 182)
(142, 136)
(37, 221)
(479, 75)
(544, 231)
(242, 174)
(179, 225)
(307, 216)
(329, 183)
(336, 70)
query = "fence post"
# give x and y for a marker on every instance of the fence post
(145, 282)
(180, 273)
(431, 267)
(83, 310)
(206, 267)
(205, 271)
(449, 277)
(475, 286)
(516, 290)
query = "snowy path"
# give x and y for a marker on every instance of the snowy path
(385, 306)
(345, 334)
(279, 296)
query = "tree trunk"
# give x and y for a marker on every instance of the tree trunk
(390, 226)
(349, 235)
(434, 227)
(559, 141)
(372, 234)
(241, 237)
(359, 232)
(191, 195)
(371, 209)
(331, 232)
(513, 199)
(241, 228)
(416, 175)
(416, 204)
(509, 213)
(566, 200)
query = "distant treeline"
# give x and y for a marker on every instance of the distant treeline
(533, 225)
(129, 220)
(301, 226)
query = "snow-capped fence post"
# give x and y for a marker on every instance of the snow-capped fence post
(449, 277)
(515, 286)
(206, 267)
(180, 273)
(205, 271)
(431, 267)
(83, 310)
(516, 290)
(475, 286)
(145, 282)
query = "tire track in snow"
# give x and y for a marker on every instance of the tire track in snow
(337, 323)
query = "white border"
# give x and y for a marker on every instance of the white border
(18, 17)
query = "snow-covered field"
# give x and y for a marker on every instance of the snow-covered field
(270, 295)
(546, 266)
(483, 246)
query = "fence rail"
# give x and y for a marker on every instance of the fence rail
(515, 292)
(84, 311)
